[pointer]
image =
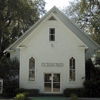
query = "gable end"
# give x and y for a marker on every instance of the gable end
(52, 18)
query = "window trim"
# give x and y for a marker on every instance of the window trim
(52, 26)
(30, 69)
(51, 34)
(75, 69)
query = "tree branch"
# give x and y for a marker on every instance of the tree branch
(9, 19)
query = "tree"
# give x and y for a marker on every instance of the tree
(16, 16)
(9, 69)
(86, 14)
(92, 82)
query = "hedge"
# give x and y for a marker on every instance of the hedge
(80, 92)
(32, 92)
(83, 92)
(9, 88)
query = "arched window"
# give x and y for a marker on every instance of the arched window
(72, 69)
(31, 69)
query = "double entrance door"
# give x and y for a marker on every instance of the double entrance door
(52, 82)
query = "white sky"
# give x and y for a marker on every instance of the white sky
(58, 3)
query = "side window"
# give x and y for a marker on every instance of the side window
(52, 34)
(31, 69)
(72, 70)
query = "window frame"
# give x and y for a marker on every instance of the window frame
(75, 69)
(52, 37)
(32, 69)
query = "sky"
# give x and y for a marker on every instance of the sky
(58, 3)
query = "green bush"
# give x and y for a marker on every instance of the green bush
(32, 92)
(9, 69)
(92, 82)
(92, 88)
(74, 97)
(22, 96)
(9, 88)
(80, 92)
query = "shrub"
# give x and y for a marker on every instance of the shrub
(74, 97)
(9, 69)
(80, 92)
(32, 92)
(22, 96)
(92, 88)
(92, 82)
(9, 88)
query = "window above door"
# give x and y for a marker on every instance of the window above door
(51, 34)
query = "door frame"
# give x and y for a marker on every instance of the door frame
(51, 82)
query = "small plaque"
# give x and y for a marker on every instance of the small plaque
(52, 64)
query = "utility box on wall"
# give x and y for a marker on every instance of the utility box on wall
(1, 85)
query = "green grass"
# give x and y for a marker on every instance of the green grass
(49, 98)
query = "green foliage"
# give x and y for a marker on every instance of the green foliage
(92, 82)
(32, 92)
(92, 72)
(9, 88)
(80, 92)
(86, 14)
(22, 96)
(16, 16)
(92, 88)
(74, 97)
(9, 68)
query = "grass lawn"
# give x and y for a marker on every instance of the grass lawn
(49, 98)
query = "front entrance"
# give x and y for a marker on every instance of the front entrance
(52, 82)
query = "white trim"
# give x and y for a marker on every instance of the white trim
(69, 29)
(55, 27)
(50, 34)
(77, 27)
(52, 15)
(35, 28)
(20, 47)
(32, 27)
(43, 19)
(28, 67)
(52, 82)
(76, 64)
(83, 47)
(10, 50)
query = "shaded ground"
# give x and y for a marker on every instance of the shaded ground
(49, 98)
(61, 98)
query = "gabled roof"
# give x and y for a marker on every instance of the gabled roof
(74, 28)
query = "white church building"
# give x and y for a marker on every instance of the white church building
(52, 54)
